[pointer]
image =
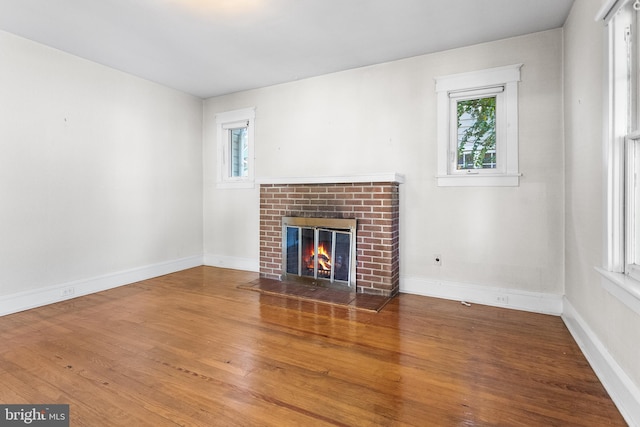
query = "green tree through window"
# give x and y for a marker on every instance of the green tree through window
(477, 133)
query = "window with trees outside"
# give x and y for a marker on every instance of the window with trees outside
(478, 128)
(622, 148)
(235, 148)
(239, 150)
(476, 133)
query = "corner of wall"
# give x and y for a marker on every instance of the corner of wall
(624, 393)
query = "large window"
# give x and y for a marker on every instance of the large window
(626, 47)
(235, 148)
(622, 147)
(478, 128)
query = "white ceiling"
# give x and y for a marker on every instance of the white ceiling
(214, 47)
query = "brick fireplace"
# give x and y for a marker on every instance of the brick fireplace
(373, 201)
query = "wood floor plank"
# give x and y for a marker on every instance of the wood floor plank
(191, 348)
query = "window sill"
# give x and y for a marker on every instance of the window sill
(235, 184)
(623, 287)
(479, 180)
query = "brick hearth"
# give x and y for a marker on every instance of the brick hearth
(375, 205)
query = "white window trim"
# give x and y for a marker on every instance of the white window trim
(451, 86)
(224, 122)
(614, 279)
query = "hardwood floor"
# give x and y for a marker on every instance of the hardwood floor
(191, 348)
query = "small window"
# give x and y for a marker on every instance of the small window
(478, 128)
(235, 148)
(239, 151)
(474, 138)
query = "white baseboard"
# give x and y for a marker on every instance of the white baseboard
(624, 393)
(235, 263)
(482, 294)
(63, 291)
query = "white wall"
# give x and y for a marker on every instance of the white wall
(607, 326)
(100, 173)
(382, 119)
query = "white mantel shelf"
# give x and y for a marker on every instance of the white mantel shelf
(344, 179)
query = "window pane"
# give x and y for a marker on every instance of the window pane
(476, 133)
(239, 152)
(633, 221)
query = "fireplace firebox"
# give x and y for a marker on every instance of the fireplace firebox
(320, 250)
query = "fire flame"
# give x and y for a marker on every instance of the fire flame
(324, 259)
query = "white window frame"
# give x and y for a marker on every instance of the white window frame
(225, 122)
(621, 272)
(501, 82)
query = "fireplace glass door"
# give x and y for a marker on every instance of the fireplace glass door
(319, 253)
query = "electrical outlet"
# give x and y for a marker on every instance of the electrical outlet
(502, 299)
(437, 260)
(67, 292)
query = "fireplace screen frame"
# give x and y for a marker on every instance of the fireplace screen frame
(335, 225)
